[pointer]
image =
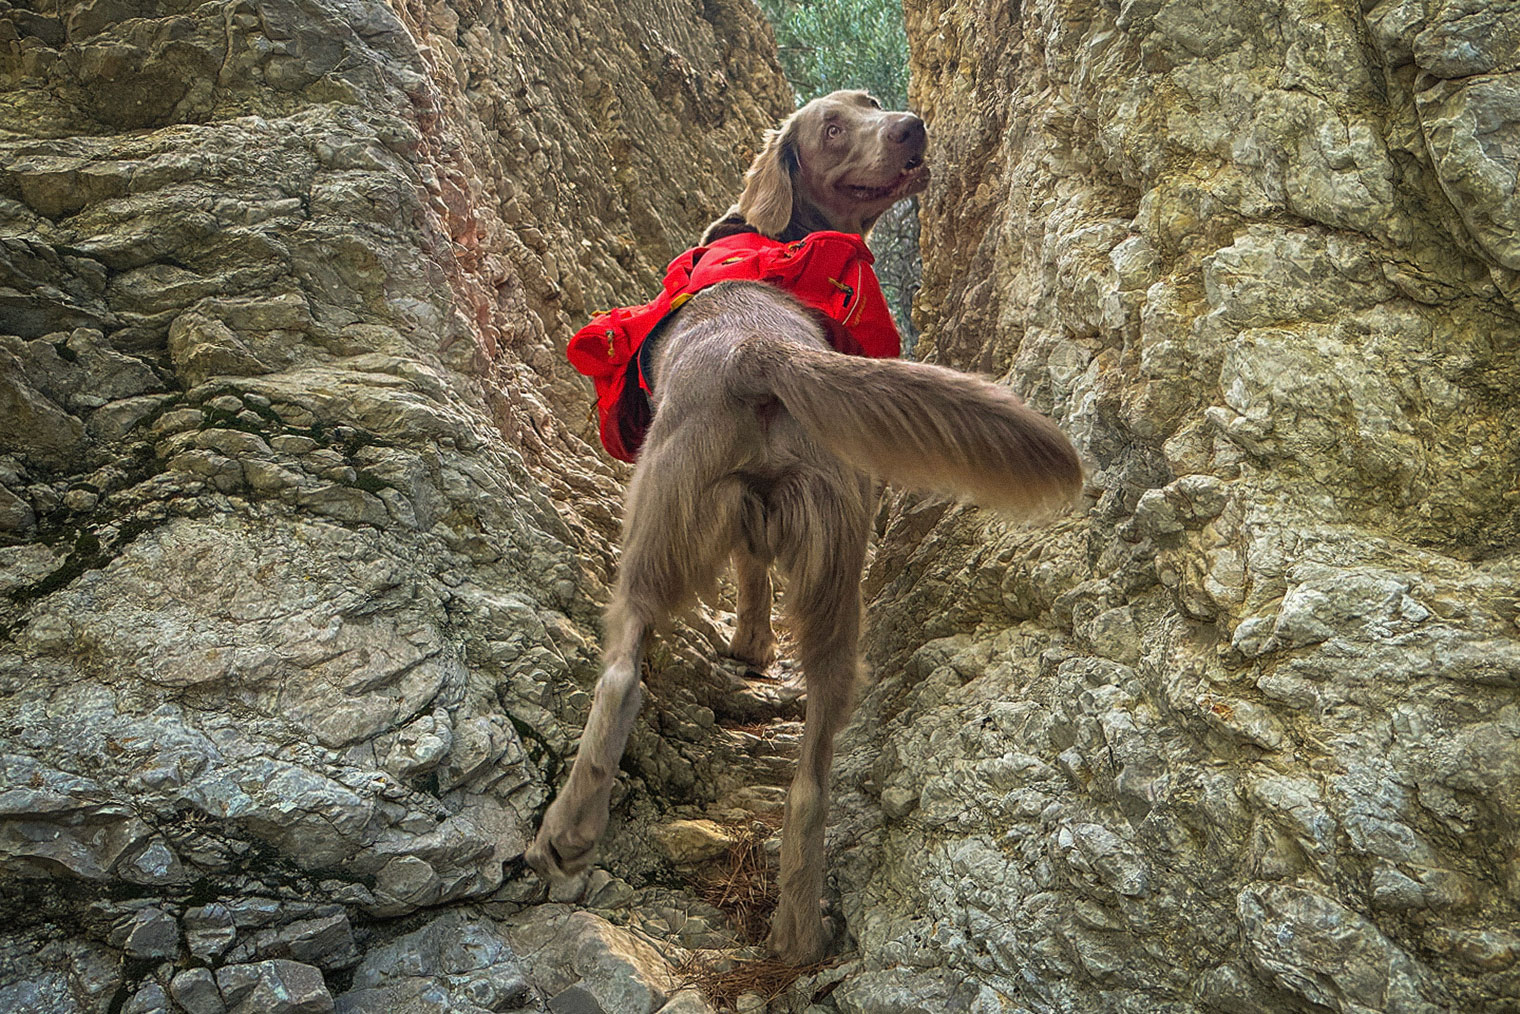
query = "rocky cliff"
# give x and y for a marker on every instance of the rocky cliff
(1243, 735)
(303, 548)
(302, 542)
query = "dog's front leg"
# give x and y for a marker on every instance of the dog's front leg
(578, 815)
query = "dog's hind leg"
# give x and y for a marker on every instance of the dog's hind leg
(676, 531)
(754, 641)
(824, 608)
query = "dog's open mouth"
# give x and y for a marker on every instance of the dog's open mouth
(913, 178)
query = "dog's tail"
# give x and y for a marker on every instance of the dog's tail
(916, 424)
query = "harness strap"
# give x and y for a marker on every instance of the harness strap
(828, 272)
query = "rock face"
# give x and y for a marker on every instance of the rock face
(1243, 734)
(301, 543)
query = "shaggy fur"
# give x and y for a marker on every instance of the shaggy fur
(764, 447)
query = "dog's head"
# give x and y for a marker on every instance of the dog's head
(837, 163)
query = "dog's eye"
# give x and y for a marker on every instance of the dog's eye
(833, 130)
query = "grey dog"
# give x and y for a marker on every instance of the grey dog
(765, 446)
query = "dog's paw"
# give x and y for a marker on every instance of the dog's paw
(557, 861)
(753, 648)
(802, 941)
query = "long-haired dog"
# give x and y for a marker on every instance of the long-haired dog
(764, 446)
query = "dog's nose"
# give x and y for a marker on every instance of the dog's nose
(907, 130)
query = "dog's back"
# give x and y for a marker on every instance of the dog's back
(746, 374)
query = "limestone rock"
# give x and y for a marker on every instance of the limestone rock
(693, 841)
(195, 990)
(36, 428)
(1204, 744)
(152, 933)
(209, 930)
(149, 999)
(1296, 936)
(307, 538)
(203, 348)
(305, 543)
(614, 966)
(273, 987)
(59, 977)
(455, 963)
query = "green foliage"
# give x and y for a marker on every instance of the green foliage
(899, 267)
(830, 44)
(826, 45)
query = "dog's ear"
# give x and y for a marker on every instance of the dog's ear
(767, 199)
